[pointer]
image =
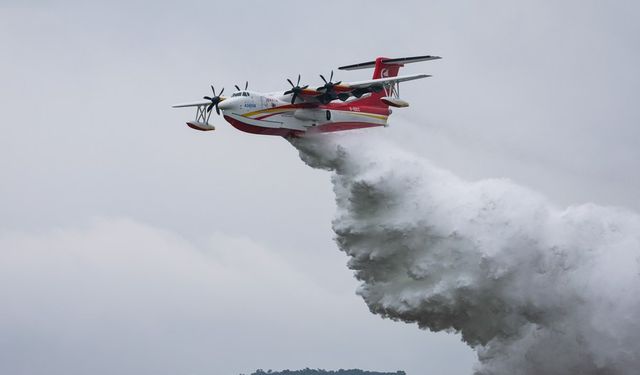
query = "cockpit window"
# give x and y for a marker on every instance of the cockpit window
(236, 94)
(245, 94)
(240, 93)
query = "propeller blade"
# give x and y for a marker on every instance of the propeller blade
(237, 88)
(246, 85)
(293, 98)
(209, 107)
(321, 76)
(288, 92)
(206, 97)
(221, 92)
(291, 83)
(331, 78)
(217, 109)
(214, 90)
(298, 84)
(304, 87)
(337, 83)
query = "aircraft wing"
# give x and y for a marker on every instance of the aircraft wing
(194, 104)
(381, 81)
(311, 95)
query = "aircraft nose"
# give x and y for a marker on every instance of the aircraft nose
(228, 104)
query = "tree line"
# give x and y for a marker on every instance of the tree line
(309, 371)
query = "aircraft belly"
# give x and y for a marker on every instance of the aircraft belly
(286, 124)
(273, 122)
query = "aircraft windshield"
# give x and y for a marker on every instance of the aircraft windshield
(240, 93)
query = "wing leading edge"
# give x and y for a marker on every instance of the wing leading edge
(193, 104)
(352, 88)
(381, 81)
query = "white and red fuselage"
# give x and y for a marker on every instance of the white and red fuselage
(273, 114)
(333, 107)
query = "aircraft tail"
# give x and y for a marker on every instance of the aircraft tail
(384, 67)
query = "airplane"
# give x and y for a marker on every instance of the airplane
(300, 110)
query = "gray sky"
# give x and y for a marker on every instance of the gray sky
(132, 244)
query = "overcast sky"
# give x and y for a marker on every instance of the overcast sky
(130, 243)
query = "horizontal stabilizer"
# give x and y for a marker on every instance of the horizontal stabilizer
(398, 61)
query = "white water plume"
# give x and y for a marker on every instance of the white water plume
(533, 288)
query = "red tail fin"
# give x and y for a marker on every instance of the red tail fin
(382, 68)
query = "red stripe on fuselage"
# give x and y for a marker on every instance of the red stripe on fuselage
(325, 128)
(345, 107)
(355, 107)
(253, 129)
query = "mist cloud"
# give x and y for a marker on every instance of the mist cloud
(120, 296)
(533, 288)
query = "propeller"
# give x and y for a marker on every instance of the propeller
(328, 85)
(246, 85)
(295, 89)
(329, 92)
(215, 100)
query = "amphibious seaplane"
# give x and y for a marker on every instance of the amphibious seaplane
(334, 106)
